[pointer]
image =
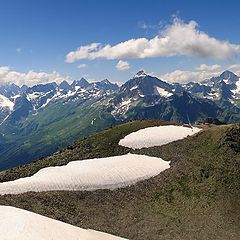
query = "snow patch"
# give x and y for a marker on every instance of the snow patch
(16, 96)
(5, 102)
(162, 92)
(226, 81)
(47, 102)
(156, 136)
(92, 122)
(237, 90)
(33, 96)
(127, 102)
(212, 95)
(134, 87)
(140, 74)
(16, 223)
(89, 175)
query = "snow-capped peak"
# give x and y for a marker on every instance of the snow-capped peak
(228, 75)
(105, 81)
(141, 73)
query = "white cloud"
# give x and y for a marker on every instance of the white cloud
(83, 65)
(146, 26)
(208, 68)
(18, 50)
(82, 52)
(29, 78)
(202, 72)
(186, 76)
(235, 68)
(177, 39)
(122, 65)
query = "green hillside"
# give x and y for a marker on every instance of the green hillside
(42, 134)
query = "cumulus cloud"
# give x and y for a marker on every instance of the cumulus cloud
(83, 65)
(201, 73)
(208, 68)
(122, 65)
(187, 76)
(177, 39)
(82, 52)
(235, 68)
(29, 78)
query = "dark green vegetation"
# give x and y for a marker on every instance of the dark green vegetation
(52, 129)
(197, 198)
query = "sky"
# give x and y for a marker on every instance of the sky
(178, 40)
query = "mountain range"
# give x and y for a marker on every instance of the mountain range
(39, 120)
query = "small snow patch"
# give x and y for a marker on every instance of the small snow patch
(133, 88)
(164, 93)
(126, 102)
(33, 96)
(156, 136)
(92, 122)
(237, 90)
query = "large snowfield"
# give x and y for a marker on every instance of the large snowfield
(156, 136)
(18, 224)
(92, 174)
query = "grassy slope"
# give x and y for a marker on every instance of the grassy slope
(197, 198)
(101, 144)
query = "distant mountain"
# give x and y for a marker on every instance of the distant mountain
(147, 97)
(38, 120)
(64, 85)
(83, 83)
(224, 87)
(106, 85)
(21, 109)
(9, 90)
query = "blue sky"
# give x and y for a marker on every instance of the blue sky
(37, 36)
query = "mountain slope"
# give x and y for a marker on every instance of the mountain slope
(41, 135)
(36, 121)
(197, 198)
(46, 118)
